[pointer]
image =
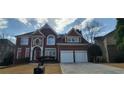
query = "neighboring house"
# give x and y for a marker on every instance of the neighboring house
(66, 48)
(6, 46)
(108, 46)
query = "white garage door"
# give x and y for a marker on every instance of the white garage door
(66, 57)
(81, 56)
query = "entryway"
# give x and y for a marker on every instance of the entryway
(36, 53)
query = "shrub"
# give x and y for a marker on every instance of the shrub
(94, 51)
(22, 60)
(8, 59)
(119, 58)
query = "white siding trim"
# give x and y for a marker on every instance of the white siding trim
(18, 49)
(27, 50)
(70, 44)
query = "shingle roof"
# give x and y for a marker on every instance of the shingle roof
(6, 41)
(102, 37)
(25, 34)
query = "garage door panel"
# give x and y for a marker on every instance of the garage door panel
(67, 57)
(81, 56)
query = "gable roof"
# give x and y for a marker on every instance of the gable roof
(76, 31)
(42, 30)
(48, 28)
(29, 33)
(103, 37)
(37, 32)
(6, 42)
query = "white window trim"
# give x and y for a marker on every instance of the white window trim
(18, 49)
(24, 38)
(72, 37)
(49, 49)
(26, 52)
(54, 39)
(40, 40)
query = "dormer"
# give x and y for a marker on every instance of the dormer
(73, 36)
(72, 39)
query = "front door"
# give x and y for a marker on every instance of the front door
(37, 53)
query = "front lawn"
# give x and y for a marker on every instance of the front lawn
(119, 65)
(53, 69)
(28, 69)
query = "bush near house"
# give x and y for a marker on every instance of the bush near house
(119, 58)
(8, 59)
(95, 53)
(48, 59)
(22, 60)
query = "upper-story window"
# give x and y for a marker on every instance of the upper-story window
(51, 40)
(72, 39)
(37, 41)
(24, 41)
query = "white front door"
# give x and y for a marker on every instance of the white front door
(81, 56)
(66, 56)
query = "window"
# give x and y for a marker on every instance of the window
(38, 42)
(27, 51)
(24, 41)
(50, 52)
(51, 40)
(72, 39)
(19, 53)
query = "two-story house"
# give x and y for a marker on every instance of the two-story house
(66, 48)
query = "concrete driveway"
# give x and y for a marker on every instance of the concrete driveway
(90, 68)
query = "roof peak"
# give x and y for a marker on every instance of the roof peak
(76, 30)
(46, 25)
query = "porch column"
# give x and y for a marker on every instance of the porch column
(41, 48)
(31, 54)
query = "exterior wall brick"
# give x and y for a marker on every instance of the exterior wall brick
(45, 32)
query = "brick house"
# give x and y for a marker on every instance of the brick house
(108, 46)
(66, 48)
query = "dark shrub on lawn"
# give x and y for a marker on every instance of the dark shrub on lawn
(94, 51)
(8, 59)
(47, 59)
(23, 60)
(119, 58)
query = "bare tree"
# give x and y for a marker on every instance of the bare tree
(91, 28)
(7, 36)
(2, 36)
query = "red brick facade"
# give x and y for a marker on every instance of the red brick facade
(40, 39)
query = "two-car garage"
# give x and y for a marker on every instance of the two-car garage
(73, 56)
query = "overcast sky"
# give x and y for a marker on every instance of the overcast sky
(16, 26)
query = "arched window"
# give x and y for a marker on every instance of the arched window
(37, 41)
(51, 40)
